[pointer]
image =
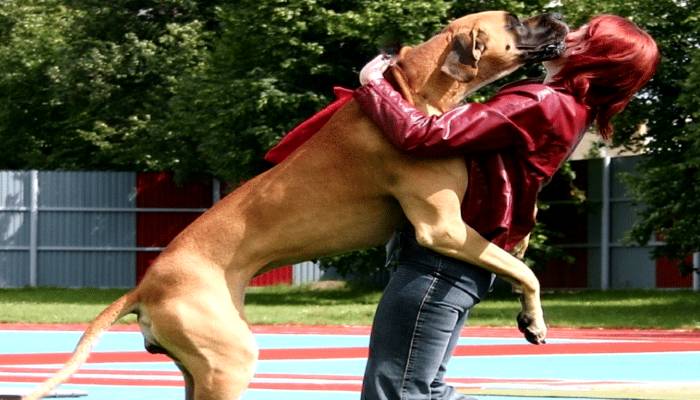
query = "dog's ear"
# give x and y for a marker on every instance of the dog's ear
(462, 62)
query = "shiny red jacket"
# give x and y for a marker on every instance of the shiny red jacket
(512, 144)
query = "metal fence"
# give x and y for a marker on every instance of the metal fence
(70, 229)
(595, 233)
(102, 229)
(99, 229)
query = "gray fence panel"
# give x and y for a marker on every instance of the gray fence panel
(306, 272)
(14, 228)
(593, 264)
(621, 166)
(623, 210)
(622, 215)
(594, 215)
(14, 199)
(87, 189)
(66, 235)
(109, 269)
(593, 218)
(87, 229)
(86, 269)
(13, 268)
(595, 173)
(14, 189)
(632, 268)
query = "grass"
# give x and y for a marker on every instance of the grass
(611, 309)
(51, 305)
(352, 305)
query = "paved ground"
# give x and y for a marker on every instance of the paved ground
(314, 363)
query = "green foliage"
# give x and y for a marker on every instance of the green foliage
(362, 265)
(274, 65)
(206, 86)
(661, 120)
(666, 183)
(34, 38)
(83, 81)
(669, 183)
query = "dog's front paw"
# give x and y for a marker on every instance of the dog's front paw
(533, 327)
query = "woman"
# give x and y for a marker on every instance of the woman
(513, 145)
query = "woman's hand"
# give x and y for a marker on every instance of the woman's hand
(374, 70)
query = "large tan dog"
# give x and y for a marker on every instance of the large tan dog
(344, 189)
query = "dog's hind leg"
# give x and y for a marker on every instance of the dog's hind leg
(155, 348)
(202, 329)
(189, 381)
(217, 358)
(223, 372)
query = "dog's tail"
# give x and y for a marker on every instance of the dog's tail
(122, 306)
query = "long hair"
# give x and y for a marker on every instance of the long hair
(607, 65)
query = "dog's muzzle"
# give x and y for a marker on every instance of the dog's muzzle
(543, 52)
(543, 37)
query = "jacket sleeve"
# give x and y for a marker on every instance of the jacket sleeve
(469, 128)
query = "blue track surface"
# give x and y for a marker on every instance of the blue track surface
(124, 371)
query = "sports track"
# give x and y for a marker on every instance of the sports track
(314, 363)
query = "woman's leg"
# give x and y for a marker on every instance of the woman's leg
(439, 388)
(417, 325)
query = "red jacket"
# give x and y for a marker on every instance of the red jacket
(513, 144)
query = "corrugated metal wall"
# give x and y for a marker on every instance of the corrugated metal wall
(14, 228)
(278, 276)
(95, 229)
(87, 229)
(306, 272)
(583, 233)
(102, 229)
(630, 266)
(166, 209)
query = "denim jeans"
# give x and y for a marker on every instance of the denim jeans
(418, 322)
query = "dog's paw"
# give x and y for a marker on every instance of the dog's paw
(533, 327)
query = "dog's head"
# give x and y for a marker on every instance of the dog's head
(473, 51)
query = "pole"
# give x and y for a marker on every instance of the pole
(605, 227)
(33, 226)
(696, 271)
(215, 190)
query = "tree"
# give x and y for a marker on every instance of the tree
(274, 65)
(206, 86)
(82, 81)
(660, 121)
(666, 182)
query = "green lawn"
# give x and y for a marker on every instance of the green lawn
(355, 306)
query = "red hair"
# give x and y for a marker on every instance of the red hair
(607, 66)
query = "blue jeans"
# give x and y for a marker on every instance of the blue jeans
(418, 322)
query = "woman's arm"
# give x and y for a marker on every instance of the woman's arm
(470, 128)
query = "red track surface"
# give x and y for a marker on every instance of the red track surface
(569, 333)
(23, 367)
(644, 341)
